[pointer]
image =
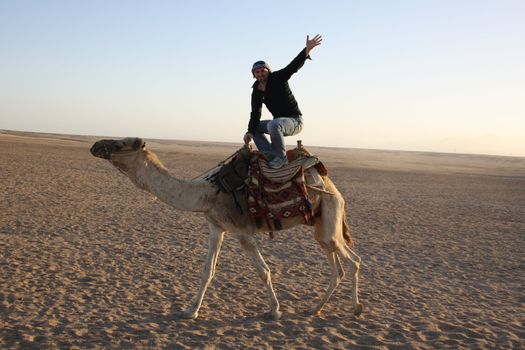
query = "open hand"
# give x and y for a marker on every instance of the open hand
(311, 43)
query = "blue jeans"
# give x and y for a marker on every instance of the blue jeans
(277, 128)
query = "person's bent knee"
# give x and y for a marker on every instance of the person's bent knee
(275, 127)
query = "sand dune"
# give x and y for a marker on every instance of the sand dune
(89, 261)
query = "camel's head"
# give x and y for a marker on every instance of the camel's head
(107, 149)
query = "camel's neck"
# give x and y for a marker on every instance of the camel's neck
(149, 174)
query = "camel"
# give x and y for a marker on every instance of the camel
(144, 169)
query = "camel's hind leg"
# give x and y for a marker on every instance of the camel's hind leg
(336, 277)
(250, 246)
(329, 234)
(214, 248)
(355, 260)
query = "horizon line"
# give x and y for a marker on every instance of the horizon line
(36, 133)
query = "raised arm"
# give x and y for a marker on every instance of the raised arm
(298, 61)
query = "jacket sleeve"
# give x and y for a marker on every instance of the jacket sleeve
(293, 66)
(255, 115)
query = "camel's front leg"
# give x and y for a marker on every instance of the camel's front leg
(250, 246)
(214, 248)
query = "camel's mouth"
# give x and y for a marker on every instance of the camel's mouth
(102, 149)
(105, 148)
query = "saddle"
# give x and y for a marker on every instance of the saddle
(287, 172)
(273, 194)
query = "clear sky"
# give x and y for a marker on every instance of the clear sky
(430, 75)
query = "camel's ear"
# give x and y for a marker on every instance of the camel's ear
(138, 144)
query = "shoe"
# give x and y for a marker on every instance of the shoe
(277, 162)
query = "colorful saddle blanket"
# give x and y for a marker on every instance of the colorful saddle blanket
(273, 194)
(277, 194)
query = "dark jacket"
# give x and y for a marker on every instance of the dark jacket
(277, 97)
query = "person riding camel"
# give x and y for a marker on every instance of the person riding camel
(272, 89)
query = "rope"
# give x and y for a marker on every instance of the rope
(319, 190)
(221, 163)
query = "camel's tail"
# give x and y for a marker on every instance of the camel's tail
(346, 251)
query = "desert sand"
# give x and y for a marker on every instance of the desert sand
(89, 261)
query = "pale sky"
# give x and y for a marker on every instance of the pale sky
(434, 75)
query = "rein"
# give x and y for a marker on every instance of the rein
(220, 164)
(125, 152)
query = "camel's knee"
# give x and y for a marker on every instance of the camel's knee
(247, 243)
(266, 276)
(337, 280)
(250, 246)
(355, 259)
(341, 274)
(207, 275)
(355, 266)
(340, 271)
(329, 244)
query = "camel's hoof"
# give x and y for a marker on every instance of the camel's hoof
(189, 315)
(358, 310)
(273, 315)
(313, 312)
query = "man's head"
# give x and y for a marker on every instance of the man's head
(261, 70)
